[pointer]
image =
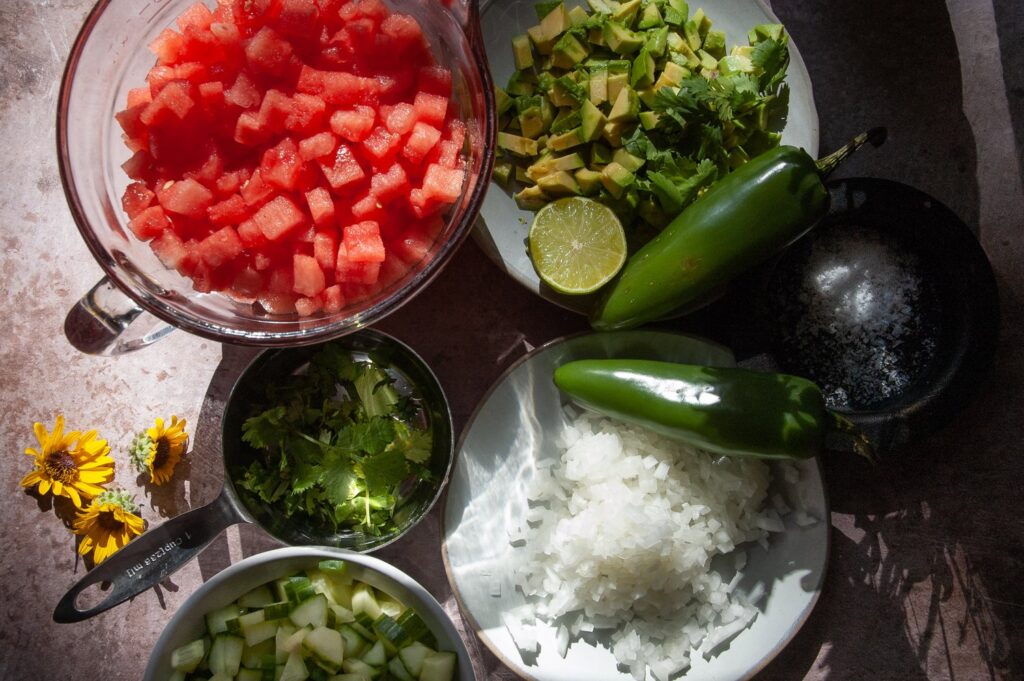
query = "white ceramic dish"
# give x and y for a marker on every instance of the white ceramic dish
(502, 228)
(231, 583)
(514, 427)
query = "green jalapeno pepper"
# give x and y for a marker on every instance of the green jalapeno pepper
(723, 410)
(742, 220)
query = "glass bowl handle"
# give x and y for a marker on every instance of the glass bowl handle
(150, 557)
(107, 322)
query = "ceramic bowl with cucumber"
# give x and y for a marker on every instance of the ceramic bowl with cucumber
(310, 613)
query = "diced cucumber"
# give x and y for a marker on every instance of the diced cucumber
(249, 675)
(257, 598)
(412, 657)
(326, 646)
(294, 642)
(276, 611)
(252, 656)
(398, 670)
(226, 654)
(187, 657)
(349, 677)
(221, 677)
(312, 612)
(216, 621)
(439, 666)
(376, 656)
(355, 644)
(364, 600)
(262, 631)
(284, 632)
(354, 666)
(294, 668)
(337, 615)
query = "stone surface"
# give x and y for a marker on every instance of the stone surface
(924, 580)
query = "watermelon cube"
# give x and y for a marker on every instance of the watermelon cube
(381, 145)
(169, 249)
(230, 182)
(307, 307)
(167, 46)
(186, 197)
(243, 93)
(256, 191)
(353, 124)
(268, 53)
(247, 285)
(344, 171)
(366, 208)
(150, 222)
(321, 144)
(325, 249)
(231, 211)
(220, 247)
(420, 142)
(197, 16)
(281, 166)
(249, 131)
(277, 303)
(432, 109)
(404, 31)
(321, 207)
(437, 80)
(297, 18)
(399, 118)
(139, 166)
(363, 243)
(342, 88)
(334, 300)
(172, 102)
(211, 95)
(422, 205)
(274, 110)
(139, 95)
(282, 279)
(309, 278)
(442, 184)
(389, 185)
(136, 198)
(305, 114)
(158, 77)
(251, 236)
(278, 218)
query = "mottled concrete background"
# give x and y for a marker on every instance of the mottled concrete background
(925, 579)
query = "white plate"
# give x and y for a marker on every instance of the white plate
(502, 228)
(513, 427)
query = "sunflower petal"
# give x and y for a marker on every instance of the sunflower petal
(58, 488)
(31, 479)
(89, 489)
(42, 434)
(44, 486)
(31, 451)
(73, 494)
(93, 476)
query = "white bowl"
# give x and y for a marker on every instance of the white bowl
(228, 585)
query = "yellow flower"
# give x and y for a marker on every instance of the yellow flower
(159, 449)
(108, 524)
(69, 465)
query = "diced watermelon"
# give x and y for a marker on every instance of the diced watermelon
(139, 166)
(344, 171)
(321, 144)
(230, 211)
(420, 142)
(399, 118)
(249, 131)
(404, 31)
(298, 18)
(158, 77)
(307, 307)
(191, 71)
(211, 168)
(169, 248)
(282, 279)
(413, 247)
(268, 53)
(366, 208)
(136, 198)
(186, 197)
(174, 101)
(442, 184)
(261, 261)
(227, 34)
(230, 182)
(353, 124)
(276, 303)
(243, 93)
(150, 222)
(325, 249)
(256, 191)
(167, 46)
(436, 80)
(334, 300)
(281, 166)
(362, 242)
(381, 146)
(422, 205)
(309, 278)
(346, 88)
(321, 207)
(274, 110)
(278, 217)
(212, 96)
(137, 96)
(196, 16)
(220, 247)
(389, 185)
(372, 9)
(305, 114)
(430, 108)
(247, 285)
(252, 237)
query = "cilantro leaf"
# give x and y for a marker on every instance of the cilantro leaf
(375, 390)
(771, 57)
(266, 429)
(384, 470)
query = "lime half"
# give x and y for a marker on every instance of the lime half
(577, 245)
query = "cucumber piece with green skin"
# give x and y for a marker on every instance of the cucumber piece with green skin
(338, 615)
(256, 628)
(216, 621)
(284, 632)
(252, 656)
(310, 612)
(412, 657)
(333, 567)
(365, 600)
(355, 643)
(259, 597)
(276, 611)
(349, 677)
(438, 666)
(187, 657)
(397, 670)
(326, 646)
(354, 666)
(363, 625)
(226, 654)
(714, 44)
(295, 668)
(294, 641)
(376, 655)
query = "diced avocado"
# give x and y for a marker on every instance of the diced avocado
(616, 179)
(589, 181)
(642, 74)
(650, 17)
(530, 198)
(617, 66)
(676, 12)
(648, 120)
(558, 184)
(612, 133)
(692, 32)
(595, 36)
(592, 122)
(519, 146)
(707, 61)
(553, 165)
(502, 172)
(567, 119)
(577, 16)
(626, 13)
(657, 41)
(600, 6)
(599, 85)
(714, 44)
(735, 64)
(600, 155)
(648, 96)
(742, 51)
(566, 140)
(522, 177)
(543, 43)
(765, 32)
(522, 51)
(531, 122)
(690, 58)
(626, 107)
(703, 23)
(676, 41)
(520, 84)
(671, 76)
(616, 83)
(556, 22)
(620, 39)
(627, 160)
(502, 100)
(542, 9)
(568, 52)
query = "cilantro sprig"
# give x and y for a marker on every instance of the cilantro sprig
(335, 444)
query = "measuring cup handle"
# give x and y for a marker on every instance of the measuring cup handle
(107, 322)
(151, 557)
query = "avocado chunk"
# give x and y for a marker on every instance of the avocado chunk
(626, 13)
(692, 32)
(600, 155)
(530, 198)
(763, 32)
(620, 39)
(612, 133)
(558, 184)
(531, 122)
(577, 16)
(567, 119)
(520, 84)
(502, 172)
(735, 63)
(690, 58)
(627, 160)
(642, 74)
(615, 85)
(626, 107)
(502, 100)
(519, 146)
(522, 52)
(650, 17)
(599, 6)
(553, 165)
(589, 181)
(522, 177)
(672, 76)
(714, 44)
(568, 52)
(566, 140)
(592, 122)
(676, 12)
(555, 23)
(649, 96)
(599, 85)
(543, 44)
(707, 61)
(616, 179)
(648, 120)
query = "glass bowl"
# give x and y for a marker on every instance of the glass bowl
(109, 57)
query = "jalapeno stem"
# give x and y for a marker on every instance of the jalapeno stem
(829, 163)
(861, 444)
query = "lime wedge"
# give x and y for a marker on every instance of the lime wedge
(577, 245)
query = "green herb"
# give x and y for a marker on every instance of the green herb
(335, 444)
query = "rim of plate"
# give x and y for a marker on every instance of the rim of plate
(791, 631)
